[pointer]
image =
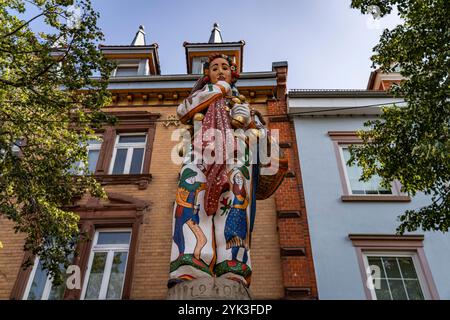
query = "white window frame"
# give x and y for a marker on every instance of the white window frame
(132, 146)
(47, 287)
(89, 147)
(394, 188)
(93, 147)
(399, 254)
(110, 249)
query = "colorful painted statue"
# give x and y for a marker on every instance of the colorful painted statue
(215, 203)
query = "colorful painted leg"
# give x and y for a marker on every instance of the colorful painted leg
(245, 257)
(199, 236)
(234, 253)
(178, 236)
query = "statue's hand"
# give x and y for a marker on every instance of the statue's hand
(241, 113)
(225, 85)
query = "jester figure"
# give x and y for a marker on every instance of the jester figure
(215, 205)
(186, 212)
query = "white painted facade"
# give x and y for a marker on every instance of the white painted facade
(332, 221)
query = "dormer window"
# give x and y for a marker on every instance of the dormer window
(127, 69)
(197, 64)
(197, 53)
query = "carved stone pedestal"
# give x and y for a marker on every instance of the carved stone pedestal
(209, 289)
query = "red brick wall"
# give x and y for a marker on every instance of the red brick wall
(296, 255)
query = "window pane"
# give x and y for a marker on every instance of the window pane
(117, 275)
(119, 163)
(391, 266)
(382, 293)
(126, 71)
(197, 64)
(407, 267)
(114, 238)
(92, 160)
(57, 292)
(96, 275)
(397, 290)
(132, 139)
(38, 285)
(136, 160)
(373, 186)
(414, 290)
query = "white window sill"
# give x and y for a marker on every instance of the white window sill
(375, 198)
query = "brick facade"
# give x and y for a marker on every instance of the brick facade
(11, 256)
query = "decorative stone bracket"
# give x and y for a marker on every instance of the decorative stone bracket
(141, 180)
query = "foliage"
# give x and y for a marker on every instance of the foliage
(411, 143)
(46, 121)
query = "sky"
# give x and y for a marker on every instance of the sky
(326, 43)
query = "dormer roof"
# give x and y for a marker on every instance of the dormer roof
(201, 50)
(137, 50)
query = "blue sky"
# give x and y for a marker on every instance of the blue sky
(326, 43)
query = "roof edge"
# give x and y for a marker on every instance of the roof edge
(337, 93)
(206, 44)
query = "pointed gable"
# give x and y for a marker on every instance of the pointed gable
(216, 36)
(139, 38)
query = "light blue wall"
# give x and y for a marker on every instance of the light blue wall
(331, 220)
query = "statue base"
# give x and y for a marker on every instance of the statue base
(209, 289)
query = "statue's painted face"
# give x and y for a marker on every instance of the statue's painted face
(238, 180)
(219, 70)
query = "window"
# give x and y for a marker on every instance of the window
(352, 188)
(397, 279)
(353, 173)
(93, 153)
(394, 267)
(197, 64)
(107, 265)
(127, 70)
(40, 287)
(93, 149)
(128, 154)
